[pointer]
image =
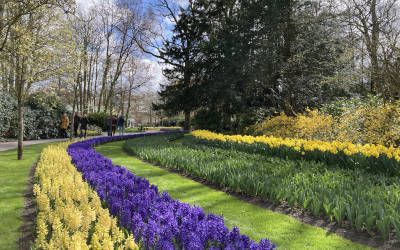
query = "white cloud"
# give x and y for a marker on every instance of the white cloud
(182, 3)
(155, 71)
(84, 5)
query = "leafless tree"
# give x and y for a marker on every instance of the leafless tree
(376, 22)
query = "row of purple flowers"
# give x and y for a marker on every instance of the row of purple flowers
(156, 220)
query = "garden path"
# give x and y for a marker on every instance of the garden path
(13, 144)
(4, 146)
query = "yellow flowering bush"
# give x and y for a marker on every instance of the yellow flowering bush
(310, 125)
(371, 124)
(368, 123)
(70, 214)
(335, 151)
(314, 125)
(281, 126)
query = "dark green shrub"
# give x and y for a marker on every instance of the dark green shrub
(7, 113)
(98, 119)
(207, 119)
(42, 114)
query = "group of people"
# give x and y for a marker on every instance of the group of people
(113, 123)
(80, 123)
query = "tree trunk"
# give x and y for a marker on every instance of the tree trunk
(375, 74)
(118, 72)
(11, 76)
(128, 108)
(289, 30)
(20, 87)
(105, 75)
(1, 15)
(122, 101)
(20, 128)
(71, 135)
(95, 80)
(122, 58)
(85, 82)
(4, 77)
(75, 103)
(187, 121)
(150, 118)
(89, 86)
(80, 95)
(2, 3)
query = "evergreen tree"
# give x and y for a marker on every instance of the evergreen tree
(181, 54)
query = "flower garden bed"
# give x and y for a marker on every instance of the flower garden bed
(156, 220)
(365, 201)
(70, 214)
(368, 157)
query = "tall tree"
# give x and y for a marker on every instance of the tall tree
(180, 53)
(374, 20)
(249, 59)
(35, 49)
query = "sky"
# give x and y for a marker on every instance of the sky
(155, 66)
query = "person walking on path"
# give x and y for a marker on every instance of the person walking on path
(64, 125)
(108, 122)
(77, 121)
(113, 124)
(121, 124)
(84, 125)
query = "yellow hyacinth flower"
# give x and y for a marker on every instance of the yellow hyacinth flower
(70, 208)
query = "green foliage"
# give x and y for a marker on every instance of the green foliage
(181, 53)
(366, 201)
(170, 122)
(340, 106)
(207, 119)
(368, 163)
(99, 119)
(253, 220)
(213, 120)
(264, 57)
(13, 178)
(7, 113)
(42, 114)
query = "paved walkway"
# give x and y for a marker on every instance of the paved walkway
(13, 144)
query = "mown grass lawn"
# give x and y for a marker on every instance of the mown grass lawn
(255, 221)
(13, 180)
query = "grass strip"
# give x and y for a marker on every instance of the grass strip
(254, 221)
(13, 180)
(365, 201)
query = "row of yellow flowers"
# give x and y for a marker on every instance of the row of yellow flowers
(70, 214)
(304, 146)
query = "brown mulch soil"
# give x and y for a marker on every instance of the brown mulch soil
(27, 229)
